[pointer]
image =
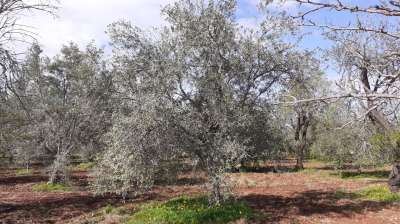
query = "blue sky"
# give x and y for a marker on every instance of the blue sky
(85, 21)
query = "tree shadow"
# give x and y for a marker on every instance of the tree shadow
(62, 207)
(51, 209)
(376, 174)
(310, 203)
(13, 180)
(190, 181)
(79, 179)
(264, 169)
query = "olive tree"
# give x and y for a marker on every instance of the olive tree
(300, 118)
(68, 101)
(198, 79)
(14, 113)
(366, 51)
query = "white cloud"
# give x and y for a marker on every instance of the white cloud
(82, 21)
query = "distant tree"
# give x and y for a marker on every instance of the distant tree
(341, 140)
(12, 32)
(300, 118)
(366, 50)
(14, 113)
(68, 101)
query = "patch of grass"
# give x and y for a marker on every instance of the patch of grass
(378, 193)
(45, 187)
(85, 166)
(378, 174)
(309, 171)
(109, 209)
(188, 210)
(23, 172)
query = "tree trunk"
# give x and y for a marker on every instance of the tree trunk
(394, 178)
(303, 121)
(59, 172)
(216, 192)
(383, 125)
(376, 117)
(300, 156)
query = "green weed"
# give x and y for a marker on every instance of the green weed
(188, 210)
(46, 187)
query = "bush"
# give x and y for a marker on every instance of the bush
(187, 210)
(46, 187)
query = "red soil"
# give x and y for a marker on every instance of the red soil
(292, 197)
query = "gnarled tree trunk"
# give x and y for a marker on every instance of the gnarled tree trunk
(303, 121)
(394, 178)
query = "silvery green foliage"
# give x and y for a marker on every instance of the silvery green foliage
(339, 140)
(202, 76)
(133, 156)
(15, 136)
(67, 101)
(140, 140)
(139, 143)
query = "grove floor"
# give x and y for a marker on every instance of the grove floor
(309, 196)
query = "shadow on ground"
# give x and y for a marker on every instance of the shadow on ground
(264, 169)
(52, 210)
(377, 174)
(61, 208)
(277, 208)
(13, 180)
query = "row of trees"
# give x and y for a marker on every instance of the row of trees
(202, 92)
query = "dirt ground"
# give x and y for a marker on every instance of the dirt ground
(288, 198)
